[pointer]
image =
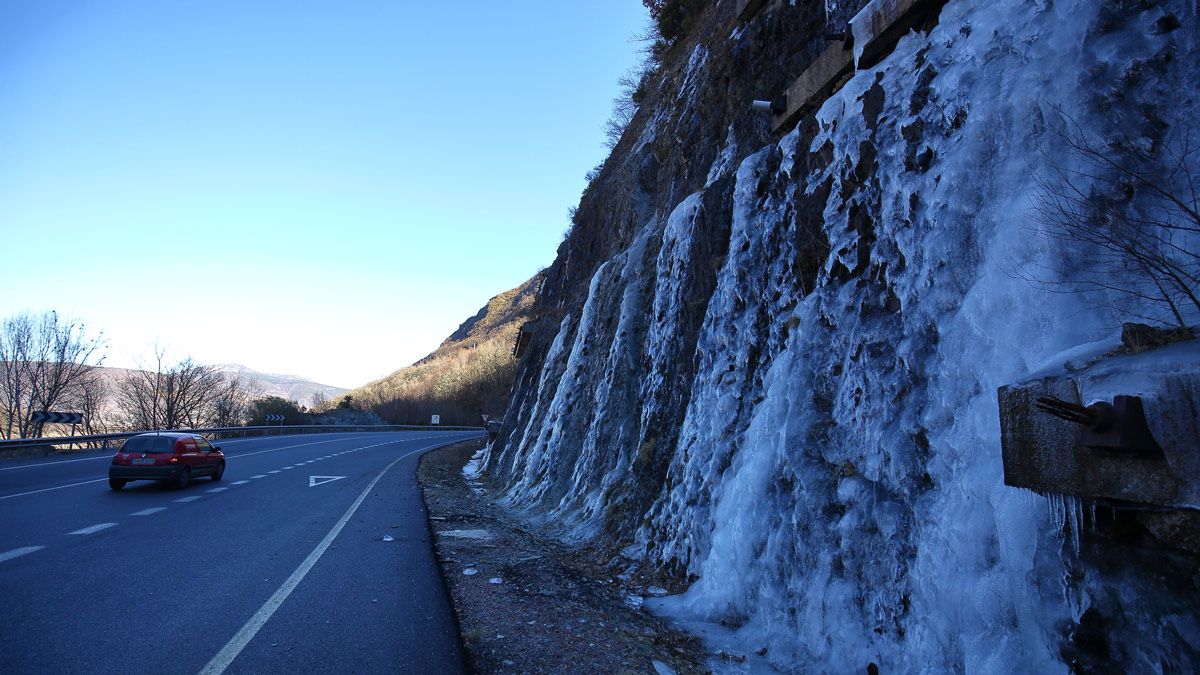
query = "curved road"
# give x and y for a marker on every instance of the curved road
(282, 566)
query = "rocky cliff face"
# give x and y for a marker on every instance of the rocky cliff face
(766, 366)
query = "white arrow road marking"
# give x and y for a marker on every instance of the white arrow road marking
(314, 481)
(238, 642)
(94, 528)
(15, 553)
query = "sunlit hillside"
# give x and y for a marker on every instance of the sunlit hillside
(468, 376)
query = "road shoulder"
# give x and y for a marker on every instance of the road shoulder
(528, 604)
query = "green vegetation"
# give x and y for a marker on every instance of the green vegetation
(673, 18)
(470, 374)
(292, 412)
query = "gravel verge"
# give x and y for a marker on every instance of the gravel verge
(527, 604)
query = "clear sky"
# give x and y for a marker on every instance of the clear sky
(324, 189)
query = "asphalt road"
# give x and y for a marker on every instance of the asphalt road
(282, 566)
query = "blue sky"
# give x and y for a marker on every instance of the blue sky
(315, 188)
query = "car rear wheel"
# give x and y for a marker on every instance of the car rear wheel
(116, 483)
(185, 478)
(219, 472)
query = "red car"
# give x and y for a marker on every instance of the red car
(168, 456)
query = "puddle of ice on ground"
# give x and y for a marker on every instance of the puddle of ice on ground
(466, 534)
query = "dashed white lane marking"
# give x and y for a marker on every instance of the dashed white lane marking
(261, 475)
(275, 471)
(238, 642)
(239, 482)
(288, 447)
(217, 490)
(18, 552)
(184, 500)
(288, 467)
(94, 528)
(150, 511)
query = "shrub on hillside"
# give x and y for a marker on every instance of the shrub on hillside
(292, 412)
(674, 17)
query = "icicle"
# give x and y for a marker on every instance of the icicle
(1069, 518)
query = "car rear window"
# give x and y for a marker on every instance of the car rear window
(149, 444)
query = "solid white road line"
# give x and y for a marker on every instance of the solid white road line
(238, 642)
(59, 487)
(61, 461)
(94, 528)
(18, 552)
(150, 511)
(185, 500)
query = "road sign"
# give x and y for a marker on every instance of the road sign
(274, 418)
(436, 419)
(485, 418)
(47, 417)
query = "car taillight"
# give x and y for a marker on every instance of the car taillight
(174, 459)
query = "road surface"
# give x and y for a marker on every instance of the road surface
(312, 554)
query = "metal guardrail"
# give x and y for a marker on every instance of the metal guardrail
(105, 441)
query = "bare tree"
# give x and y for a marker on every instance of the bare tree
(1135, 210)
(90, 400)
(183, 395)
(319, 401)
(231, 406)
(44, 362)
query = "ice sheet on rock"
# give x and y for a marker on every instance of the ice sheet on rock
(836, 487)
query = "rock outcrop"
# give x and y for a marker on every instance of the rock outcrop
(766, 366)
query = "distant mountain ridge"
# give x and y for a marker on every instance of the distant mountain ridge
(258, 384)
(291, 387)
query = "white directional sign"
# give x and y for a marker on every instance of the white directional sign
(436, 419)
(314, 481)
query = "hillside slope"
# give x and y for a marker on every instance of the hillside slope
(305, 392)
(765, 366)
(470, 374)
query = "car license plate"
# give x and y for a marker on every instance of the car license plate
(142, 460)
